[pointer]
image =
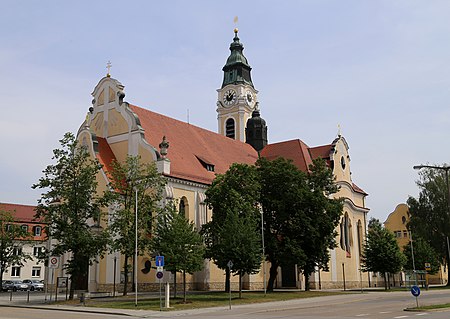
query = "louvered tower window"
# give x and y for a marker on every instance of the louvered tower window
(229, 129)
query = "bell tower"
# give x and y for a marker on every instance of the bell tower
(237, 98)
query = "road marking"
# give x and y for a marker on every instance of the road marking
(421, 314)
(362, 315)
(401, 317)
(385, 311)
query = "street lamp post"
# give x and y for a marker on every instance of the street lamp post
(136, 253)
(264, 252)
(444, 168)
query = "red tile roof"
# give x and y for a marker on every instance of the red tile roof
(358, 190)
(295, 150)
(301, 154)
(105, 155)
(321, 151)
(23, 213)
(189, 143)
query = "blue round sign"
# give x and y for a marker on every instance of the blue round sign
(415, 291)
(159, 274)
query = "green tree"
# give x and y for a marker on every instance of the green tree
(381, 252)
(429, 213)
(234, 198)
(242, 243)
(325, 213)
(127, 180)
(423, 253)
(12, 239)
(285, 196)
(70, 205)
(178, 241)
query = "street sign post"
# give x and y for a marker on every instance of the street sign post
(159, 261)
(53, 262)
(415, 291)
(230, 265)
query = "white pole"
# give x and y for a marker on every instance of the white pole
(136, 253)
(167, 303)
(412, 255)
(264, 252)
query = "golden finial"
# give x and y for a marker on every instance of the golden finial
(108, 66)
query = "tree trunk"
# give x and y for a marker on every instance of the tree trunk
(174, 285)
(385, 281)
(273, 272)
(240, 286)
(307, 282)
(184, 286)
(227, 280)
(125, 280)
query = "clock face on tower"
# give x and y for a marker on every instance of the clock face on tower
(229, 97)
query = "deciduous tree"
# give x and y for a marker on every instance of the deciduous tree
(129, 179)
(70, 205)
(234, 198)
(423, 253)
(12, 239)
(285, 198)
(430, 213)
(179, 242)
(381, 252)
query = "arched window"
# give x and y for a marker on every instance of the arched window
(183, 207)
(346, 234)
(360, 238)
(229, 129)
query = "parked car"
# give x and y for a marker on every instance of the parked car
(17, 285)
(7, 285)
(34, 284)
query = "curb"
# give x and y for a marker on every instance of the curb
(87, 310)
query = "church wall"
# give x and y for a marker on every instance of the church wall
(120, 150)
(97, 124)
(116, 123)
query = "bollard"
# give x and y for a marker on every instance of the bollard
(167, 303)
(10, 295)
(28, 296)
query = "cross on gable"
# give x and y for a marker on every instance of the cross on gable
(108, 66)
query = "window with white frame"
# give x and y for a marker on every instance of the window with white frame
(15, 271)
(17, 251)
(38, 250)
(36, 272)
(37, 230)
(24, 228)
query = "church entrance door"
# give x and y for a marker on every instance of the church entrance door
(288, 278)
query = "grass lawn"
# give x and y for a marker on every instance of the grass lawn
(430, 307)
(203, 300)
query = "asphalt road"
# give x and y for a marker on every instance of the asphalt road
(373, 305)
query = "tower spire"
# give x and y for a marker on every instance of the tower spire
(236, 69)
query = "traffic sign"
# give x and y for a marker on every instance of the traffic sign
(415, 291)
(427, 266)
(159, 274)
(53, 262)
(159, 261)
(159, 268)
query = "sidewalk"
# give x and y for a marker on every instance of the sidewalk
(38, 303)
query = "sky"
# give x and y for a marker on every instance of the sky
(378, 69)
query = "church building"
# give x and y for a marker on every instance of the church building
(190, 157)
